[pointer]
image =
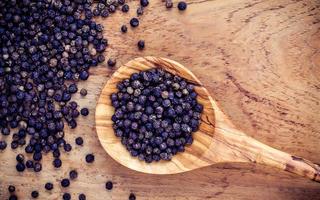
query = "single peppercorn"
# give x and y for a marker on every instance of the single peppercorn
(66, 196)
(34, 194)
(84, 111)
(73, 174)
(144, 3)
(134, 22)
(65, 182)
(48, 186)
(125, 8)
(112, 62)
(11, 188)
(82, 197)
(124, 29)
(140, 11)
(57, 163)
(79, 141)
(20, 167)
(141, 44)
(182, 5)
(169, 4)
(13, 197)
(20, 158)
(3, 145)
(109, 185)
(132, 196)
(83, 92)
(89, 158)
(37, 167)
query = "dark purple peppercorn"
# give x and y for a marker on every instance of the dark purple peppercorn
(83, 92)
(125, 8)
(20, 167)
(29, 164)
(79, 141)
(11, 188)
(112, 62)
(182, 5)
(169, 4)
(13, 197)
(144, 3)
(67, 147)
(89, 158)
(141, 44)
(73, 174)
(132, 196)
(20, 158)
(57, 163)
(134, 22)
(34, 194)
(3, 145)
(48, 186)
(84, 111)
(37, 167)
(121, 2)
(124, 29)
(66, 196)
(140, 11)
(82, 197)
(65, 182)
(109, 185)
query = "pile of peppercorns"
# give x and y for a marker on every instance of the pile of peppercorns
(156, 113)
(46, 47)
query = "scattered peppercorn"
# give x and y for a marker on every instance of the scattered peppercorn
(84, 111)
(3, 145)
(134, 22)
(13, 197)
(57, 163)
(73, 174)
(182, 5)
(109, 185)
(125, 8)
(165, 124)
(20, 167)
(20, 158)
(89, 158)
(35, 194)
(48, 186)
(82, 197)
(112, 62)
(83, 92)
(132, 196)
(140, 11)
(169, 4)
(144, 3)
(79, 141)
(66, 196)
(141, 44)
(65, 182)
(11, 188)
(124, 29)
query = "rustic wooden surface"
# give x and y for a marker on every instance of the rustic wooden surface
(258, 59)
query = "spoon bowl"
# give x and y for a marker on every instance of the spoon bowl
(216, 141)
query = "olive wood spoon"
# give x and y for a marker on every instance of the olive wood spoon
(216, 141)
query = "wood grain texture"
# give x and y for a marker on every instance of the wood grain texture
(258, 58)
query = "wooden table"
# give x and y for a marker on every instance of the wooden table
(260, 61)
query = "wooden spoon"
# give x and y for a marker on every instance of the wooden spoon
(216, 141)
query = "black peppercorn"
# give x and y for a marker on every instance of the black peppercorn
(34, 194)
(20, 157)
(89, 158)
(79, 141)
(73, 174)
(37, 167)
(141, 44)
(169, 4)
(144, 3)
(82, 197)
(84, 111)
(109, 185)
(125, 8)
(57, 163)
(83, 92)
(134, 22)
(3, 145)
(124, 29)
(20, 167)
(66, 196)
(11, 188)
(29, 164)
(132, 196)
(182, 5)
(13, 197)
(65, 182)
(112, 62)
(48, 186)
(140, 11)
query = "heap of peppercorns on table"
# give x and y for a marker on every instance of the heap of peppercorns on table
(46, 47)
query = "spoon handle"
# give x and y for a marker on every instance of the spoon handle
(241, 148)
